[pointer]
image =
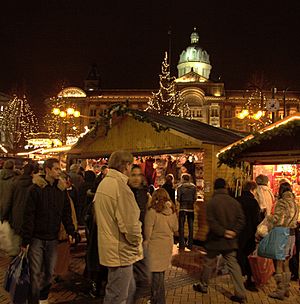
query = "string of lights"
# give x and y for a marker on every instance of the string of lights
(167, 101)
(18, 122)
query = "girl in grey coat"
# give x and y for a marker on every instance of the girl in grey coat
(160, 224)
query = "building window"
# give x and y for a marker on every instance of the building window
(93, 112)
(227, 113)
(214, 113)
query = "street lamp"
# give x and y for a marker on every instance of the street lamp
(63, 113)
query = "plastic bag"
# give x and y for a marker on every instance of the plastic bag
(17, 279)
(264, 228)
(9, 241)
(262, 268)
(273, 245)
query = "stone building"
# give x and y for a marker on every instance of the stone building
(208, 100)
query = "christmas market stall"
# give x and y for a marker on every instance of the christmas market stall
(273, 151)
(161, 145)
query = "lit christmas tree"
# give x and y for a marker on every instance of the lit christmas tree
(167, 101)
(61, 126)
(18, 123)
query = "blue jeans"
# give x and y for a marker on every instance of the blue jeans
(190, 219)
(120, 288)
(42, 259)
(158, 288)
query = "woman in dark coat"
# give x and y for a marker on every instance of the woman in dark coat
(169, 186)
(247, 242)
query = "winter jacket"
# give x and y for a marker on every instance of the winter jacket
(286, 211)
(223, 213)
(142, 198)
(159, 230)
(265, 198)
(187, 196)
(117, 217)
(251, 212)
(170, 189)
(21, 186)
(7, 177)
(46, 207)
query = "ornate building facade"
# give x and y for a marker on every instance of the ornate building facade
(209, 101)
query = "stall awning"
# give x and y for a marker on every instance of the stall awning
(143, 133)
(276, 143)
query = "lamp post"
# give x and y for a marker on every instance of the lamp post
(284, 101)
(66, 113)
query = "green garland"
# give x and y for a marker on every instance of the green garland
(231, 157)
(123, 109)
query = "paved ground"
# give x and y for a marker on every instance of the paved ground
(179, 279)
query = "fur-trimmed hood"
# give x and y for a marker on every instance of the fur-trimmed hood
(41, 181)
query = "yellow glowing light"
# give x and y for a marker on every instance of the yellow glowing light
(265, 129)
(258, 115)
(76, 114)
(70, 111)
(243, 114)
(56, 111)
(62, 114)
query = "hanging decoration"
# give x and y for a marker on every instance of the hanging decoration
(18, 123)
(167, 101)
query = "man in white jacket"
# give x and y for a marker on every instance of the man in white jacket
(264, 194)
(119, 229)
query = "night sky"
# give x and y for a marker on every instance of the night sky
(45, 44)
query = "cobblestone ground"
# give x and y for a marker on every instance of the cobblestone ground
(179, 279)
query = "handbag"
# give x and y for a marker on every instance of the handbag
(264, 227)
(262, 268)
(17, 279)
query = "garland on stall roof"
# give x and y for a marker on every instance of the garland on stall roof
(123, 109)
(231, 157)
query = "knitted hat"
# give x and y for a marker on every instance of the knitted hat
(262, 180)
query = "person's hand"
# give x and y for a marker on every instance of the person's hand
(229, 234)
(71, 240)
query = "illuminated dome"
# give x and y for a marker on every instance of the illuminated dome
(194, 58)
(71, 92)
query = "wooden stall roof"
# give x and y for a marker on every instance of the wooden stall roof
(141, 138)
(274, 144)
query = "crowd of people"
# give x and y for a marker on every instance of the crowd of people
(130, 228)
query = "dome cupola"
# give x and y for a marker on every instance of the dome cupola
(194, 58)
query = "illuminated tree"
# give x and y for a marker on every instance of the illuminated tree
(18, 123)
(167, 101)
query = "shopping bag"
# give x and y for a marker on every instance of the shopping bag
(262, 269)
(273, 245)
(17, 279)
(9, 241)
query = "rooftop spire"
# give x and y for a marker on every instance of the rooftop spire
(194, 36)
